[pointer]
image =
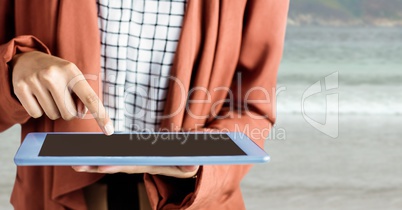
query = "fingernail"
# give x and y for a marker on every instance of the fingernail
(109, 130)
(82, 113)
(81, 110)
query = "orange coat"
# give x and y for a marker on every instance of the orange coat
(218, 39)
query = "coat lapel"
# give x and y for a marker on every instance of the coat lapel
(77, 38)
(205, 63)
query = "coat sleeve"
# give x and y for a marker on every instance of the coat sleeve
(11, 111)
(261, 53)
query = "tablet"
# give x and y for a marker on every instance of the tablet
(148, 148)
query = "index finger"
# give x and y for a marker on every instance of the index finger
(87, 95)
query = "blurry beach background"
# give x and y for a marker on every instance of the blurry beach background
(360, 167)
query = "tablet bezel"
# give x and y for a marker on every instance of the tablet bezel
(27, 154)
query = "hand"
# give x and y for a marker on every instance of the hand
(41, 81)
(173, 171)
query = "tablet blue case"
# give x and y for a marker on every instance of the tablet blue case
(27, 155)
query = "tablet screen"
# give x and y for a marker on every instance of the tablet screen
(143, 144)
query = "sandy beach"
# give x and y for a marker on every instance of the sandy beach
(361, 169)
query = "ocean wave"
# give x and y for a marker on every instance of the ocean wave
(347, 99)
(364, 109)
(344, 79)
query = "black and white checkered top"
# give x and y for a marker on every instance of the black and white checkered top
(138, 43)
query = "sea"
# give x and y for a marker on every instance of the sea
(352, 75)
(362, 66)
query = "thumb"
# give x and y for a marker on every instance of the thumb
(187, 169)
